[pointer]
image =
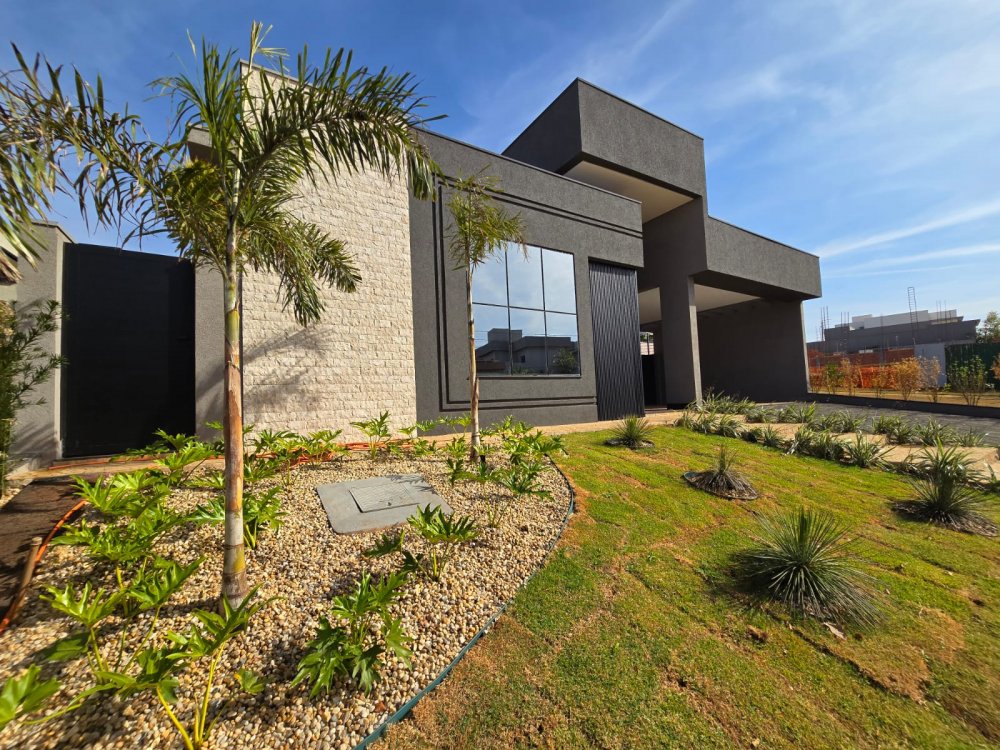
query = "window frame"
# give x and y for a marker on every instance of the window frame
(544, 311)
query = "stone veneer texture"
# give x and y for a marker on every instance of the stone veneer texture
(358, 360)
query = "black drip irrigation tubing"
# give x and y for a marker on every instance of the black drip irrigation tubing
(407, 707)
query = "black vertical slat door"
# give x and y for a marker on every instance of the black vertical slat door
(614, 302)
(128, 339)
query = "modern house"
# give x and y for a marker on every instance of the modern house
(615, 210)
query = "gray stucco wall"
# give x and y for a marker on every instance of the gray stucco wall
(557, 213)
(754, 349)
(38, 434)
(763, 265)
(605, 129)
(209, 344)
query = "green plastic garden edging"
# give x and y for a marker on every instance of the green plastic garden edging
(404, 711)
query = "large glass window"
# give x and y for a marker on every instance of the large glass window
(524, 302)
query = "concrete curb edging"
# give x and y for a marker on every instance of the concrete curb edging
(407, 707)
(927, 407)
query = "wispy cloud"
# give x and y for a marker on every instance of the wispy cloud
(951, 219)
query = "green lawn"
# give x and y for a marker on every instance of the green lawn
(632, 637)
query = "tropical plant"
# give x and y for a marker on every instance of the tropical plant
(902, 432)
(520, 480)
(908, 376)
(25, 363)
(351, 642)
(863, 453)
(456, 451)
(632, 432)
(206, 638)
(443, 534)
(260, 510)
(271, 132)
(377, 434)
(944, 463)
(968, 377)
(124, 544)
(64, 142)
(24, 694)
(480, 228)
(420, 446)
(723, 479)
(804, 560)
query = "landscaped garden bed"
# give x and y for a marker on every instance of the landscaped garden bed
(299, 569)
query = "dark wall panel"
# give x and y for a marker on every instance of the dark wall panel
(617, 360)
(129, 343)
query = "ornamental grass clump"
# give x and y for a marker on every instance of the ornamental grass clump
(632, 432)
(722, 479)
(803, 560)
(863, 453)
(944, 492)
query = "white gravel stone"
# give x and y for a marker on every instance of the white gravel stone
(304, 565)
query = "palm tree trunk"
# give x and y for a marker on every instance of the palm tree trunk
(473, 374)
(234, 572)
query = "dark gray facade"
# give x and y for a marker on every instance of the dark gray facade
(598, 177)
(619, 188)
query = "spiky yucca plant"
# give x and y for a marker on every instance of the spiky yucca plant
(943, 492)
(723, 479)
(864, 453)
(632, 432)
(803, 560)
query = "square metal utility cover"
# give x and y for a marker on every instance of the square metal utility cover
(376, 503)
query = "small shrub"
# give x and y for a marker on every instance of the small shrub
(825, 445)
(728, 425)
(443, 535)
(770, 437)
(933, 432)
(761, 415)
(706, 422)
(930, 375)
(722, 479)
(456, 452)
(632, 432)
(885, 425)
(882, 380)
(377, 434)
(803, 560)
(720, 403)
(802, 441)
(908, 375)
(944, 463)
(902, 433)
(798, 414)
(943, 493)
(968, 378)
(687, 420)
(351, 642)
(971, 439)
(260, 510)
(520, 481)
(863, 453)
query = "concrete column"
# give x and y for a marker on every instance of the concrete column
(677, 347)
(37, 431)
(209, 342)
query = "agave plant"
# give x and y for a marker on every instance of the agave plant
(902, 433)
(803, 560)
(826, 445)
(971, 439)
(722, 479)
(933, 432)
(729, 426)
(632, 432)
(885, 425)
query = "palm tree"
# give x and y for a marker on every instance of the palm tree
(51, 142)
(269, 132)
(481, 228)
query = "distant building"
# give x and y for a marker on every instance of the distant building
(875, 333)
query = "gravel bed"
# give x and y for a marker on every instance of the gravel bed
(304, 564)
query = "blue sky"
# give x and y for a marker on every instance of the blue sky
(865, 132)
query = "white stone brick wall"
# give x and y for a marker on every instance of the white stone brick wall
(358, 360)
